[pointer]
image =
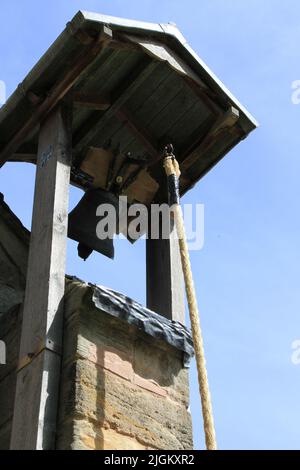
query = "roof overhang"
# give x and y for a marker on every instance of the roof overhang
(134, 86)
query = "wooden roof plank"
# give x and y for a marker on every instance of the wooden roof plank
(91, 100)
(133, 83)
(57, 93)
(176, 94)
(139, 132)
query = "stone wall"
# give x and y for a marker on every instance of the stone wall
(122, 388)
(123, 383)
(14, 243)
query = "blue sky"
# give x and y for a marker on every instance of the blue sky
(247, 275)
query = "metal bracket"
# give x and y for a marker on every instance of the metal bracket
(79, 177)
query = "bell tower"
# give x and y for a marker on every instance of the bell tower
(96, 370)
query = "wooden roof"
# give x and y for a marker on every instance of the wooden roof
(135, 86)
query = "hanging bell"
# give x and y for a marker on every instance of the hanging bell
(83, 222)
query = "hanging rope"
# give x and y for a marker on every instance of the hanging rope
(173, 173)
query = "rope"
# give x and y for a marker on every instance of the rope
(172, 170)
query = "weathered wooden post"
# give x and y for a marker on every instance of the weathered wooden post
(41, 340)
(165, 288)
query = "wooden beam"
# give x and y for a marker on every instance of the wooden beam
(37, 388)
(206, 95)
(33, 98)
(165, 54)
(26, 153)
(79, 34)
(221, 125)
(90, 100)
(59, 90)
(22, 158)
(140, 133)
(165, 284)
(128, 88)
(119, 44)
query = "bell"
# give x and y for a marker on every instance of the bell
(83, 222)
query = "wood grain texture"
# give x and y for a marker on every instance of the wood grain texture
(165, 287)
(37, 390)
(134, 81)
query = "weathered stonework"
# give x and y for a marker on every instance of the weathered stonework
(120, 387)
(14, 244)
